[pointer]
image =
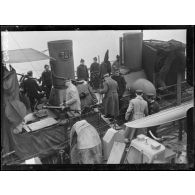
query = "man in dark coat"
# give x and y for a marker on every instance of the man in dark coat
(153, 107)
(95, 74)
(121, 84)
(110, 100)
(46, 79)
(31, 87)
(82, 71)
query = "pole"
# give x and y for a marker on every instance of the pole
(179, 102)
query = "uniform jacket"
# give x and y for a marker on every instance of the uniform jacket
(110, 100)
(82, 72)
(138, 107)
(94, 68)
(73, 100)
(46, 78)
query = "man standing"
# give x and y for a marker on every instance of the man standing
(153, 107)
(95, 73)
(72, 99)
(82, 71)
(110, 100)
(46, 79)
(121, 84)
(87, 97)
(138, 107)
(116, 64)
(31, 87)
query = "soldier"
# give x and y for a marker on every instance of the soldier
(110, 100)
(138, 107)
(95, 73)
(32, 89)
(82, 71)
(46, 79)
(153, 107)
(121, 84)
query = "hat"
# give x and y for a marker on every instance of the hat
(139, 91)
(30, 72)
(150, 94)
(82, 60)
(106, 75)
(95, 58)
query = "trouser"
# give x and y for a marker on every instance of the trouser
(33, 100)
(48, 90)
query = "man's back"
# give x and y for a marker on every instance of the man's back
(112, 85)
(31, 87)
(140, 107)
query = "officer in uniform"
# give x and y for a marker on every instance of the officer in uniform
(121, 84)
(82, 71)
(110, 100)
(153, 107)
(95, 74)
(46, 79)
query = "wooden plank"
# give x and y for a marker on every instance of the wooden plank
(42, 124)
(116, 153)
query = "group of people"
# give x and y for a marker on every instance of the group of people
(105, 80)
(97, 71)
(32, 90)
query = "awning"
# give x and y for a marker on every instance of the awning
(23, 55)
(162, 117)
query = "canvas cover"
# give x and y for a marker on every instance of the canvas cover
(23, 55)
(85, 144)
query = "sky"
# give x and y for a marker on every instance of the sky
(86, 44)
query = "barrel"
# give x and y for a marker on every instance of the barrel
(62, 63)
(132, 43)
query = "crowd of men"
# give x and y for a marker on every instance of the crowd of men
(105, 79)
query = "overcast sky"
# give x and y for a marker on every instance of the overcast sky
(86, 44)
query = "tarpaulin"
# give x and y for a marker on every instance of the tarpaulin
(23, 55)
(85, 144)
(40, 143)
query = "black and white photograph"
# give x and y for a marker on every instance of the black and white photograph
(74, 96)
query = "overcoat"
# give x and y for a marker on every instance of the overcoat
(110, 100)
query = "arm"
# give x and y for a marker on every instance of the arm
(37, 86)
(87, 72)
(105, 89)
(129, 110)
(73, 98)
